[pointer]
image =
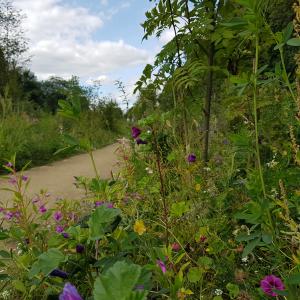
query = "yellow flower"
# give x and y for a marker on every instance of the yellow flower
(139, 227)
(198, 187)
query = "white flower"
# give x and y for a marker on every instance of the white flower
(272, 164)
(207, 169)
(5, 294)
(149, 171)
(218, 292)
(245, 259)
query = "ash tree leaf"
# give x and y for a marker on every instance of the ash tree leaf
(47, 262)
(119, 283)
(100, 221)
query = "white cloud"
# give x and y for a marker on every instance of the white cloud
(61, 41)
(166, 36)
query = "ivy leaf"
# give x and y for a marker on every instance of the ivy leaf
(120, 282)
(47, 262)
(100, 221)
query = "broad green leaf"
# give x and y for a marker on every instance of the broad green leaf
(250, 247)
(120, 282)
(293, 279)
(294, 42)
(100, 220)
(233, 290)
(5, 254)
(47, 262)
(179, 208)
(19, 286)
(267, 238)
(194, 275)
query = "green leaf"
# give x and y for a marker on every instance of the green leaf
(233, 290)
(267, 238)
(47, 262)
(119, 283)
(287, 32)
(294, 42)
(5, 254)
(194, 275)
(19, 286)
(293, 279)
(179, 208)
(100, 220)
(250, 246)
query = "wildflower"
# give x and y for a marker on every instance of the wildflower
(202, 239)
(69, 293)
(99, 203)
(17, 214)
(79, 248)
(2, 209)
(162, 266)
(110, 205)
(59, 229)
(25, 178)
(42, 209)
(140, 141)
(139, 227)
(5, 294)
(271, 283)
(245, 259)
(149, 171)
(65, 235)
(12, 180)
(191, 158)
(57, 216)
(9, 215)
(36, 199)
(59, 273)
(9, 165)
(218, 292)
(135, 132)
(175, 247)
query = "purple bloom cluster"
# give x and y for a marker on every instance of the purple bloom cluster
(57, 216)
(135, 133)
(69, 293)
(191, 158)
(107, 204)
(271, 283)
(59, 273)
(9, 215)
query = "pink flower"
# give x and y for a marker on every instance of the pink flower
(271, 283)
(110, 205)
(99, 203)
(203, 239)
(57, 216)
(175, 247)
(162, 265)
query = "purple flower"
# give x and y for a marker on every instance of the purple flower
(25, 178)
(65, 235)
(140, 141)
(79, 248)
(17, 214)
(42, 209)
(59, 273)
(271, 283)
(9, 165)
(9, 215)
(12, 180)
(36, 199)
(135, 132)
(2, 209)
(69, 293)
(99, 203)
(59, 229)
(57, 216)
(162, 265)
(110, 205)
(191, 158)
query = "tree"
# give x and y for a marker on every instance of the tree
(12, 38)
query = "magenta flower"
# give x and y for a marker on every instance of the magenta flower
(162, 265)
(69, 293)
(135, 132)
(59, 229)
(271, 283)
(191, 158)
(140, 141)
(42, 209)
(57, 216)
(65, 235)
(25, 178)
(99, 203)
(202, 239)
(110, 205)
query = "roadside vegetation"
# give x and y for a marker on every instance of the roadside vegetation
(206, 202)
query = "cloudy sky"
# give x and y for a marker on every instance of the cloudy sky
(92, 39)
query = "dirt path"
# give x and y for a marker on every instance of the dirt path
(58, 177)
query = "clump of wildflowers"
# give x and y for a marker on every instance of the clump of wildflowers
(135, 132)
(57, 216)
(271, 283)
